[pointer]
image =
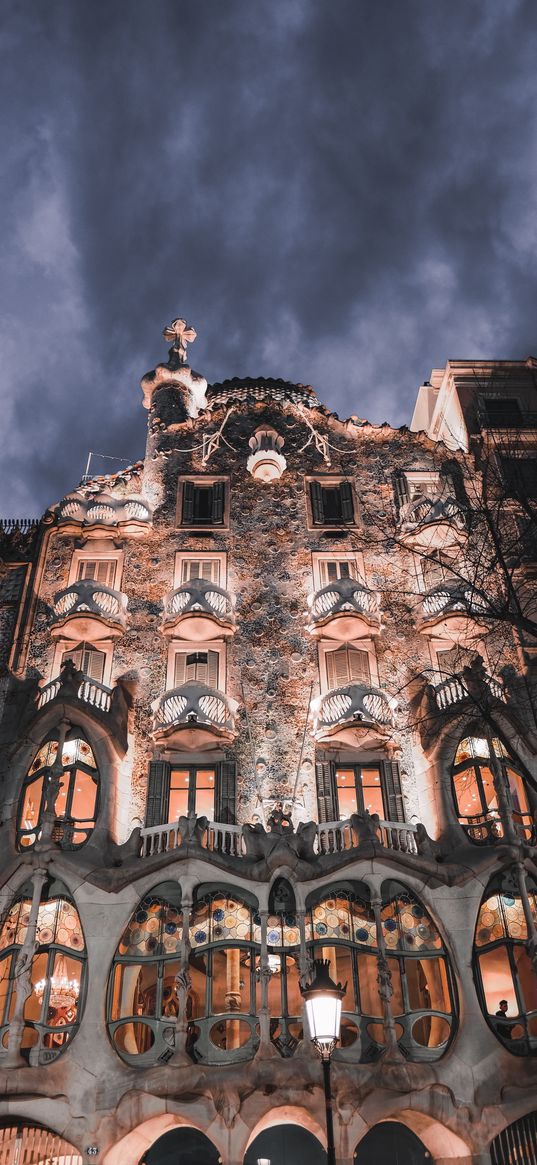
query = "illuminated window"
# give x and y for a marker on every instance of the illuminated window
(506, 981)
(224, 973)
(142, 995)
(192, 790)
(52, 1010)
(475, 795)
(76, 804)
(359, 787)
(23, 1142)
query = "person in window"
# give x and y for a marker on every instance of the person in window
(504, 1028)
(279, 821)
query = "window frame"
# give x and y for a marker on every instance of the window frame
(189, 647)
(99, 550)
(203, 481)
(71, 769)
(357, 767)
(193, 769)
(365, 645)
(182, 557)
(331, 481)
(62, 645)
(321, 559)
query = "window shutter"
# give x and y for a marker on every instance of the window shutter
(218, 503)
(391, 781)
(402, 493)
(94, 664)
(346, 502)
(326, 791)
(188, 503)
(317, 508)
(179, 677)
(359, 670)
(337, 668)
(74, 654)
(226, 792)
(212, 669)
(158, 793)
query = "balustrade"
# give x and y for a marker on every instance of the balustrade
(195, 609)
(342, 607)
(195, 711)
(89, 610)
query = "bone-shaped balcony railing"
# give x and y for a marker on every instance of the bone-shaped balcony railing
(195, 704)
(199, 597)
(103, 509)
(454, 597)
(343, 596)
(89, 598)
(352, 704)
(422, 511)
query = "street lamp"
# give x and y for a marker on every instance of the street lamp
(263, 1161)
(323, 999)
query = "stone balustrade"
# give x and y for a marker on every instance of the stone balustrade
(197, 607)
(90, 691)
(453, 690)
(89, 610)
(345, 601)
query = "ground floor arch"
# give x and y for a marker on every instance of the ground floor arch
(286, 1144)
(517, 1144)
(182, 1146)
(394, 1142)
(33, 1144)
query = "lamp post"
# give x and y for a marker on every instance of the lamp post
(323, 999)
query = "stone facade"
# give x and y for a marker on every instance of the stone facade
(253, 658)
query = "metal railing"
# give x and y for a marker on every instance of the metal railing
(89, 597)
(194, 703)
(451, 597)
(343, 596)
(103, 508)
(198, 597)
(353, 702)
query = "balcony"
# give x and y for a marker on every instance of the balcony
(356, 714)
(454, 690)
(198, 611)
(194, 716)
(431, 523)
(129, 515)
(453, 609)
(89, 611)
(343, 610)
(108, 705)
(336, 836)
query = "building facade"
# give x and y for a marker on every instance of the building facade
(268, 696)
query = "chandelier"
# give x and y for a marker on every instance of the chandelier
(63, 990)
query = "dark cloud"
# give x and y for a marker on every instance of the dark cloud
(342, 193)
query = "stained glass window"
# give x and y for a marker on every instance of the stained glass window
(506, 982)
(52, 1010)
(220, 918)
(76, 804)
(476, 796)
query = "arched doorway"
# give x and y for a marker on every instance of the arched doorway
(391, 1141)
(20, 1141)
(286, 1145)
(182, 1146)
(517, 1143)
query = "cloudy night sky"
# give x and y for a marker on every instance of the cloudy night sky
(338, 192)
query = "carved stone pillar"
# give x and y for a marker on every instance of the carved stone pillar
(183, 984)
(233, 996)
(264, 977)
(505, 808)
(23, 975)
(384, 980)
(54, 779)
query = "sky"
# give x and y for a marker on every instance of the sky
(337, 192)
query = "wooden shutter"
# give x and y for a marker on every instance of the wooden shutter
(225, 801)
(359, 670)
(346, 501)
(317, 507)
(158, 793)
(102, 570)
(218, 502)
(326, 790)
(179, 673)
(93, 664)
(187, 517)
(212, 669)
(393, 797)
(402, 493)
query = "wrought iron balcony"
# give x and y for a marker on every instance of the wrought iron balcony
(343, 610)
(194, 716)
(131, 514)
(88, 610)
(197, 611)
(455, 609)
(356, 710)
(431, 522)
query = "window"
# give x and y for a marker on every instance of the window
(347, 665)
(77, 800)
(506, 982)
(359, 787)
(102, 570)
(501, 412)
(142, 993)
(21, 1141)
(423, 484)
(87, 659)
(192, 790)
(198, 666)
(11, 584)
(224, 973)
(332, 503)
(435, 570)
(331, 570)
(475, 794)
(202, 502)
(52, 1010)
(520, 476)
(208, 569)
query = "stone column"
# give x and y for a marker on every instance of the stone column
(384, 980)
(183, 984)
(23, 975)
(233, 996)
(265, 1045)
(54, 778)
(505, 808)
(306, 971)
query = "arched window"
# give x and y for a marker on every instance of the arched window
(475, 794)
(77, 802)
(342, 929)
(340, 926)
(423, 1000)
(224, 998)
(142, 994)
(391, 1141)
(506, 983)
(34, 1145)
(53, 1008)
(283, 949)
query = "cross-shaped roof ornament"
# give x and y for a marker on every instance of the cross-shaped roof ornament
(181, 334)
